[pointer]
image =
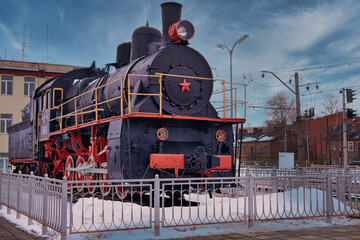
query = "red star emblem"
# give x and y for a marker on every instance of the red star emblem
(184, 86)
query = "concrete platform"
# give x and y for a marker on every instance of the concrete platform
(9, 231)
(333, 232)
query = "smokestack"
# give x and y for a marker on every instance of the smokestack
(171, 13)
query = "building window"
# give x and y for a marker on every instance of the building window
(43, 102)
(29, 84)
(359, 148)
(334, 146)
(265, 149)
(3, 164)
(351, 146)
(48, 99)
(5, 122)
(257, 148)
(6, 84)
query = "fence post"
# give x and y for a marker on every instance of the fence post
(45, 203)
(63, 208)
(31, 190)
(18, 196)
(247, 175)
(274, 181)
(8, 196)
(250, 186)
(1, 189)
(157, 205)
(329, 202)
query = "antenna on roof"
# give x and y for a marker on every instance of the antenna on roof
(47, 40)
(24, 46)
(147, 23)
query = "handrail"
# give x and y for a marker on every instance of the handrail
(95, 107)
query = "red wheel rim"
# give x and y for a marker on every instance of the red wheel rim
(37, 171)
(90, 186)
(79, 176)
(69, 174)
(103, 186)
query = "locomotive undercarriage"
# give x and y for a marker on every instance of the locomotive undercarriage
(88, 153)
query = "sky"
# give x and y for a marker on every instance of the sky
(318, 39)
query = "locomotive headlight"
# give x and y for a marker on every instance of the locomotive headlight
(220, 135)
(181, 31)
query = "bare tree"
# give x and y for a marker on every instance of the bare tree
(331, 105)
(282, 111)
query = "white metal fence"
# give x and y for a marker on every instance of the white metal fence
(72, 207)
(38, 198)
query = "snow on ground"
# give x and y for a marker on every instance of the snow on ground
(99, 214)
(22, 223)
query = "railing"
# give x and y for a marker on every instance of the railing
(125, 100)
(156, 204)
(268, 172)
(227, 104)
(123, 205)
(39, 198)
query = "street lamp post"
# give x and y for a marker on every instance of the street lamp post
(230, 52)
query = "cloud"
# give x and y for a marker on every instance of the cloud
(10, 37)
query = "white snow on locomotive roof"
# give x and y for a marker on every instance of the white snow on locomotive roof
(92, 82)
(76, 81)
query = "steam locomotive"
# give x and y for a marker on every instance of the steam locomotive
(150, 116)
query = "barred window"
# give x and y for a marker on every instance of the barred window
(6, 84)
(29, 84)
(5, 122)
(351, 146)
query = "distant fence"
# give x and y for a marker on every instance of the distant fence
(71, 207)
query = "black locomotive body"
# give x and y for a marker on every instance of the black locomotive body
(150, 116)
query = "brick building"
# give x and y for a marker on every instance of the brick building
(18, 81)
(353, 144)
(317, 145)
(261, 147)
(322, 142)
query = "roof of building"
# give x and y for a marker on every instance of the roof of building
(352, 132)
(262, 136)
(35, 66)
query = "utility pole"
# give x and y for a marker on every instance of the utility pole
(346, 163)
(298, 120)
(300, 148)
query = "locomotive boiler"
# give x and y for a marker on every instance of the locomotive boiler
(152, 115)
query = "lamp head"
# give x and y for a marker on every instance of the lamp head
(220, 46)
